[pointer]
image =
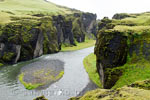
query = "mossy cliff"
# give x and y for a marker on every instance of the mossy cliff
(111, 52)
(118, 50)
(28, 38)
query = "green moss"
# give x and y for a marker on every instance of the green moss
(141, 84)
(112, 75)
(50, 36)
(90, 66)
(8, 56)
(28, 86)
(1, 64)
(60, 75)
(77, 27)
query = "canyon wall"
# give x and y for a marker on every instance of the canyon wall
(117, 50)
(25, 39)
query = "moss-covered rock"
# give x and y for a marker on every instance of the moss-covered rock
(141, 84)
(121, 16)
(111, 51)
(105, 23)
(40, 98)
(28, 38)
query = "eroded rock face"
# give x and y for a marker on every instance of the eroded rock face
(64, 30)
(25, 40)
(89, 22)
(111, 52)
(9, 53)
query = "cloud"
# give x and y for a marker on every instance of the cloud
(107, 7)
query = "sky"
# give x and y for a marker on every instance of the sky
(107, 7)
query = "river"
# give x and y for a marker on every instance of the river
(74, 81)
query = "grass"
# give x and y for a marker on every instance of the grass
(28, 86)
(138, 29)
(60, 75)
(86, 44)
(27, 8)
(1, 64)
(90, 66)
(134, 72)
(138, 19)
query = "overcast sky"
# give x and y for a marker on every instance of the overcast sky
(107, 7)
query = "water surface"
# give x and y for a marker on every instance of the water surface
(74, 81)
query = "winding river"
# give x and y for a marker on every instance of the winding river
(74, 81)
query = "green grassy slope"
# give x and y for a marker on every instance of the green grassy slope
(136, 23)
(90, 66)
(26, 8)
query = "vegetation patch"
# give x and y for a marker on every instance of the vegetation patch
(39, 78)
(133, 72)
(90, 66)
(86, 44)
(1, 64)
(141, 84)
(28, 86)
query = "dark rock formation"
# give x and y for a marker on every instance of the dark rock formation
(64, 30)
(105, 23)
(9, 53)
(121, 16)
(111, 52)
(89, 22)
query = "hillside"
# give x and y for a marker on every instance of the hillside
(27, 8)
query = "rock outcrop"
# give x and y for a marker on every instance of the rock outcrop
(26, 39)
(121, 16)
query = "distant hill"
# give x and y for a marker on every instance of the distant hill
(26, 8)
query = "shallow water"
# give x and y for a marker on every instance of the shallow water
(75, 78)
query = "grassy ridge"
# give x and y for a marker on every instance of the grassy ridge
(27, 8)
